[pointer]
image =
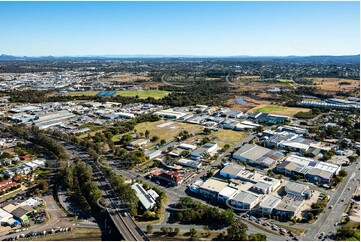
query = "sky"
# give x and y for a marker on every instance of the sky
(179, 28)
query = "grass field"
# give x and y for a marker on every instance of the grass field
(157, 94)
(166, 132)
(332, 84)
(76, 234)
(229, 136)
(280, 110)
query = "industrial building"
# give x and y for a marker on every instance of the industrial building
(189, 163)
(209, 148)
(298, 190)
(257, 155)
(245, 200)
(268, 203)
(212, 187)
(289, 206)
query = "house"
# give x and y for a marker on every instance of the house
(257, 155)
(209, 148)
(138, 142)
(145, 199)
(212, 187)
(268, 203)
(39, 161)
(7, 184)
(245, 200)
(33, 166)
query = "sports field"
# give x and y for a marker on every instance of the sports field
(166, 129)
(157, 94)
(285, 80)
(279, 110)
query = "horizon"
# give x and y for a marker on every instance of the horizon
(213, 29)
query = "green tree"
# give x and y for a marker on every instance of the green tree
(343, 173)
(193, 232)
(237, 231)
(176, 231)
(257, 237)
(149, 229)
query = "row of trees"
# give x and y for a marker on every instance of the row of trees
(78, 179)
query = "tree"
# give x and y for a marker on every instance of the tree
(43, 185)
(257, 237)
(193, 232)
(343, 173)
(237, 231)
(146, 134)
(162, 142)
(37, 191)
(310, 216)
(176, 231)
(149, 229)
(206, 228)
(154, 138)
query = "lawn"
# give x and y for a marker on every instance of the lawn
(279, 110)
(157, 94)
(166, 132)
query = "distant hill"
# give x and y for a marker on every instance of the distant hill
(311, 59)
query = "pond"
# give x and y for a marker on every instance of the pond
(240, 101)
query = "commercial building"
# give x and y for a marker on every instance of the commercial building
(187, 147)
(212, 187)
(226, 193)
(172, 177)
(170, 114)
(146, 200)
(268, 203)
(5, 218)
(231, 171)
(314, 171)
(257, 155)
(289, 206)
(245, 200)
(298, 190)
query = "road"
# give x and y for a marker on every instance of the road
(325, 222)
(125, 224)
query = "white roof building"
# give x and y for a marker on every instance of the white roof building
(146, 200)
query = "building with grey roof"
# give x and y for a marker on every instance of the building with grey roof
(245, 200)
(231, 171)
(289, 206)
(257, 155)
(297, 189)
(268, 203)
(209, 148)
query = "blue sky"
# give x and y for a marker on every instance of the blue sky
(180, 28)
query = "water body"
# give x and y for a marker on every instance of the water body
(240, 101)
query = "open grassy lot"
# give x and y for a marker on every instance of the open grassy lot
(279, 110)
(76, 234)
(229, 136)
(168, 130)
(157, 94)
(333, 84)
(285, 80)
(85, 93)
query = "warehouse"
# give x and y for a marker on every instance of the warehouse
(289, 206)
(5, 218)
(257, 155)
(187, 147)
(226, 193)
(170, 114)
(154, 154)
(231, 171)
